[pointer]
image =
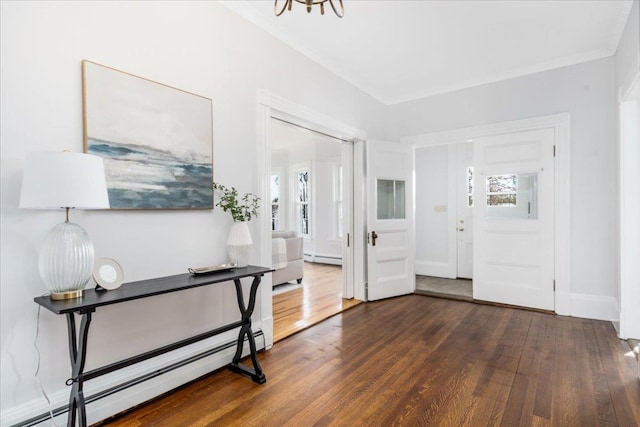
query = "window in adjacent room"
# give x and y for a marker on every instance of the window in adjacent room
(276, 212)
(302, 197)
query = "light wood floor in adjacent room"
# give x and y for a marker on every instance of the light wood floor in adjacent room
(417, 360)
(319, 298)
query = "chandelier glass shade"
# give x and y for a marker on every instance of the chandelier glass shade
(281, 5)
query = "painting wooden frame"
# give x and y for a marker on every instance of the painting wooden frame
(156, 141)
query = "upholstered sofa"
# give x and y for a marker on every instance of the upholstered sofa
(288, 261)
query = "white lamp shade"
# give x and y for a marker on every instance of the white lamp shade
(62, 179)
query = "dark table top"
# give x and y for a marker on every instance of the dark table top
(145, 288)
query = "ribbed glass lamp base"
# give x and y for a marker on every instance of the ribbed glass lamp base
(66, 260)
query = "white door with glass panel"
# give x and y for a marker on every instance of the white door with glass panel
(391, 230)
(514, 219)
(464, 209)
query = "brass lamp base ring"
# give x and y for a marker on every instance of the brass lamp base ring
(66, 295)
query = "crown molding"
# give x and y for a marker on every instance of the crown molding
(269, 24)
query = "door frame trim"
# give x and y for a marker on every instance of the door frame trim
(561, 123)
(629, 201)
(269, 105)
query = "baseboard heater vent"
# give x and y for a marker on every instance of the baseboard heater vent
(135, 381)
(323, 259)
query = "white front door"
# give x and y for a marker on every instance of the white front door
(514, 219)
(390, 227)
(464, 209)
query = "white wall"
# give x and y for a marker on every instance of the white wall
(328, 246)
(627, 56)
(280, 165)
(200, 47)
(587, 92)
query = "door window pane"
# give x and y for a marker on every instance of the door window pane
(391, 199)
(512, 196)
(502, 190)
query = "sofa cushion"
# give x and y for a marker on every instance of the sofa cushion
(294, 248)
(278, 253)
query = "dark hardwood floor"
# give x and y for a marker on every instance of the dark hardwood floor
(416, 360)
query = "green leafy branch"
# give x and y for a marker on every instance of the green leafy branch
(241, 208)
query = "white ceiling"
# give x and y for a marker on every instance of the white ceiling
(401, 50)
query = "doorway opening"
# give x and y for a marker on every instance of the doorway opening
(629, 291)
(444, 182)
(438, 225)
(309, 174)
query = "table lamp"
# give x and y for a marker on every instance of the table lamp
(65, 180)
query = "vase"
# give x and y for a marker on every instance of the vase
(239, 244)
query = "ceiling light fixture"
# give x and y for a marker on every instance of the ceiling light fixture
(286, 4)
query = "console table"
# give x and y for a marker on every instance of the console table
(93, 299)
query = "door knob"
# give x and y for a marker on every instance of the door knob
(460, 229)
(374, 236)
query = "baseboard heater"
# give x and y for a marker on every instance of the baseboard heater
(135, 381)
(323, 259)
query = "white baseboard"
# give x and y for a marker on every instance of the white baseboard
(616, 326)
(587, 306)
(140, 393)
(435, 269)
(267, 330)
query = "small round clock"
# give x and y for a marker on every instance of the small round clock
(107, 273)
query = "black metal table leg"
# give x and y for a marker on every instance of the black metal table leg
(77, 355)
(255, 373)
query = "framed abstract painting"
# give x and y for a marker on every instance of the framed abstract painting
(156, 141)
